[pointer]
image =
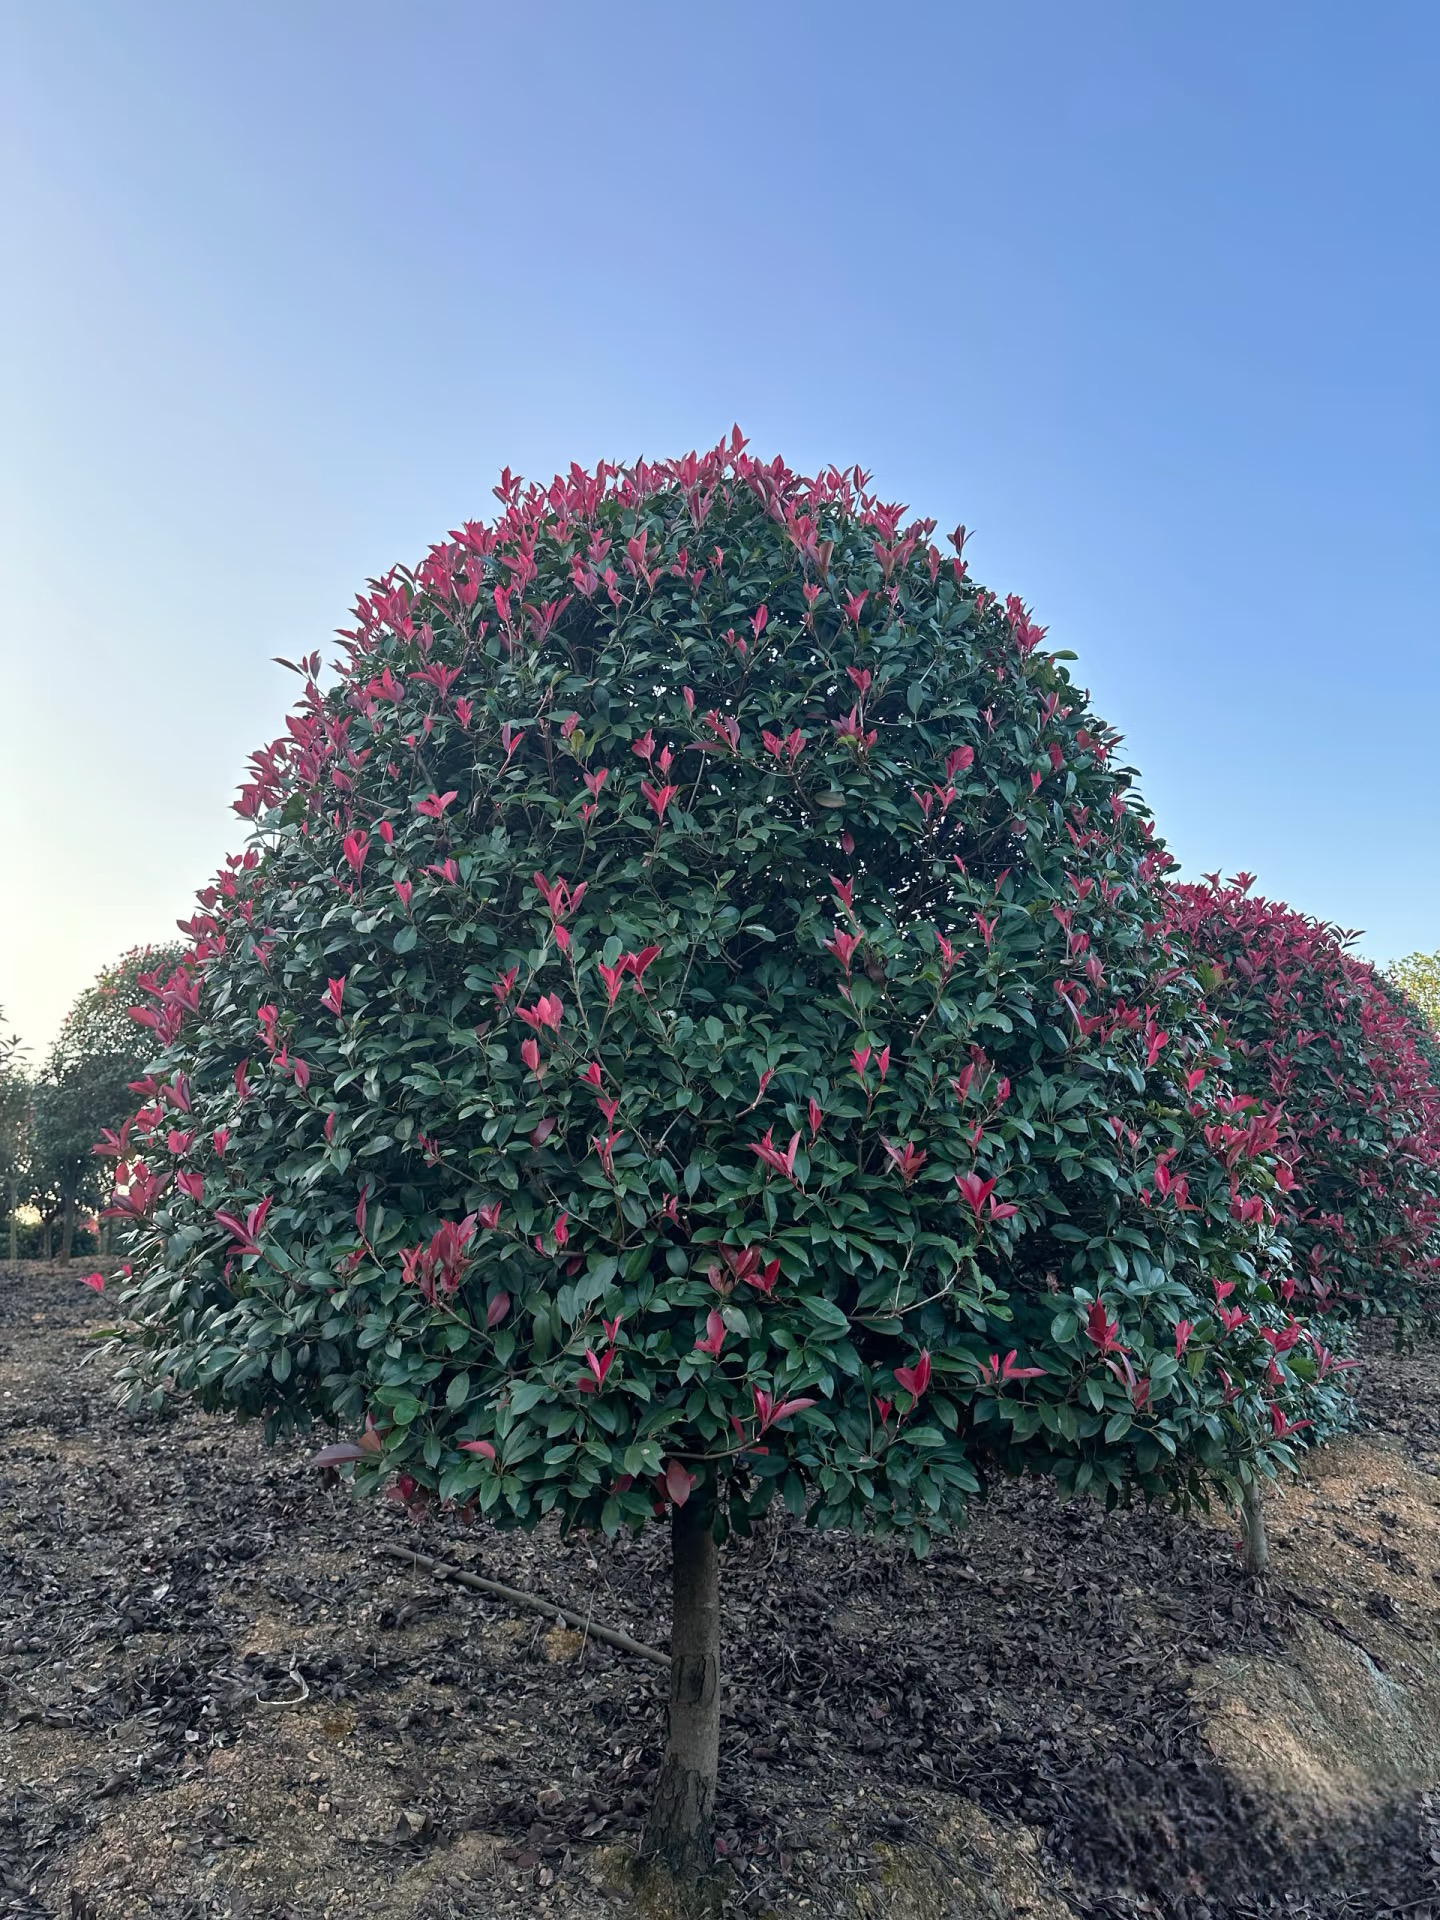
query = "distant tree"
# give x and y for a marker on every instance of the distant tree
(16, 1100)
(85, 1088)
(1418, 977)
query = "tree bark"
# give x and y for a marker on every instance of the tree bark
(67, 1229)
(14, 1222)
(1254, 1539)
(680, 1827)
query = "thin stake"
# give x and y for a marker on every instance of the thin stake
(442, 1570)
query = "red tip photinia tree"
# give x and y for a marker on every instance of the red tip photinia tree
(686, 1029)
(1345, 1066)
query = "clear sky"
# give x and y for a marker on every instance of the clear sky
(1146, 294)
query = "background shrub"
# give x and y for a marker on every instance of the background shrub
(1347, 1065)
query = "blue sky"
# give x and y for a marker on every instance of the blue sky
(1144, 294)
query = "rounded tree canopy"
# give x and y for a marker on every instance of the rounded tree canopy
(1348, 1066)
(692, 1016)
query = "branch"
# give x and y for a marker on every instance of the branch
(442, 1570)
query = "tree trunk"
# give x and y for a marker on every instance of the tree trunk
(14, 1222)
(679, 1829)
(1254, 1539)
(67, 1229)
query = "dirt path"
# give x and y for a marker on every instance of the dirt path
(216, 1701)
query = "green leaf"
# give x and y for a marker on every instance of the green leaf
(825, 1312)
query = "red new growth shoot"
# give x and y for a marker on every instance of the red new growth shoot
(1102, 1330)
(917, 1378)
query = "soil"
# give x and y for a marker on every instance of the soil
(218, 1701)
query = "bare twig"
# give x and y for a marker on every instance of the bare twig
(442, 1570)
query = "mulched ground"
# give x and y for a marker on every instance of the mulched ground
(218, 1703)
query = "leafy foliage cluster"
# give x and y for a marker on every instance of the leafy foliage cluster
(691, 1013)
(1348, 1067)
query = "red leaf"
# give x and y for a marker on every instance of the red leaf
(917, 1378)
(678, 1482)
(787, 1407)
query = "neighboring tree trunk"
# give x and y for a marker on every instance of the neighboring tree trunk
(679, 1829)
(1255, 1541)
(14, 1223)
(67, 1229)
